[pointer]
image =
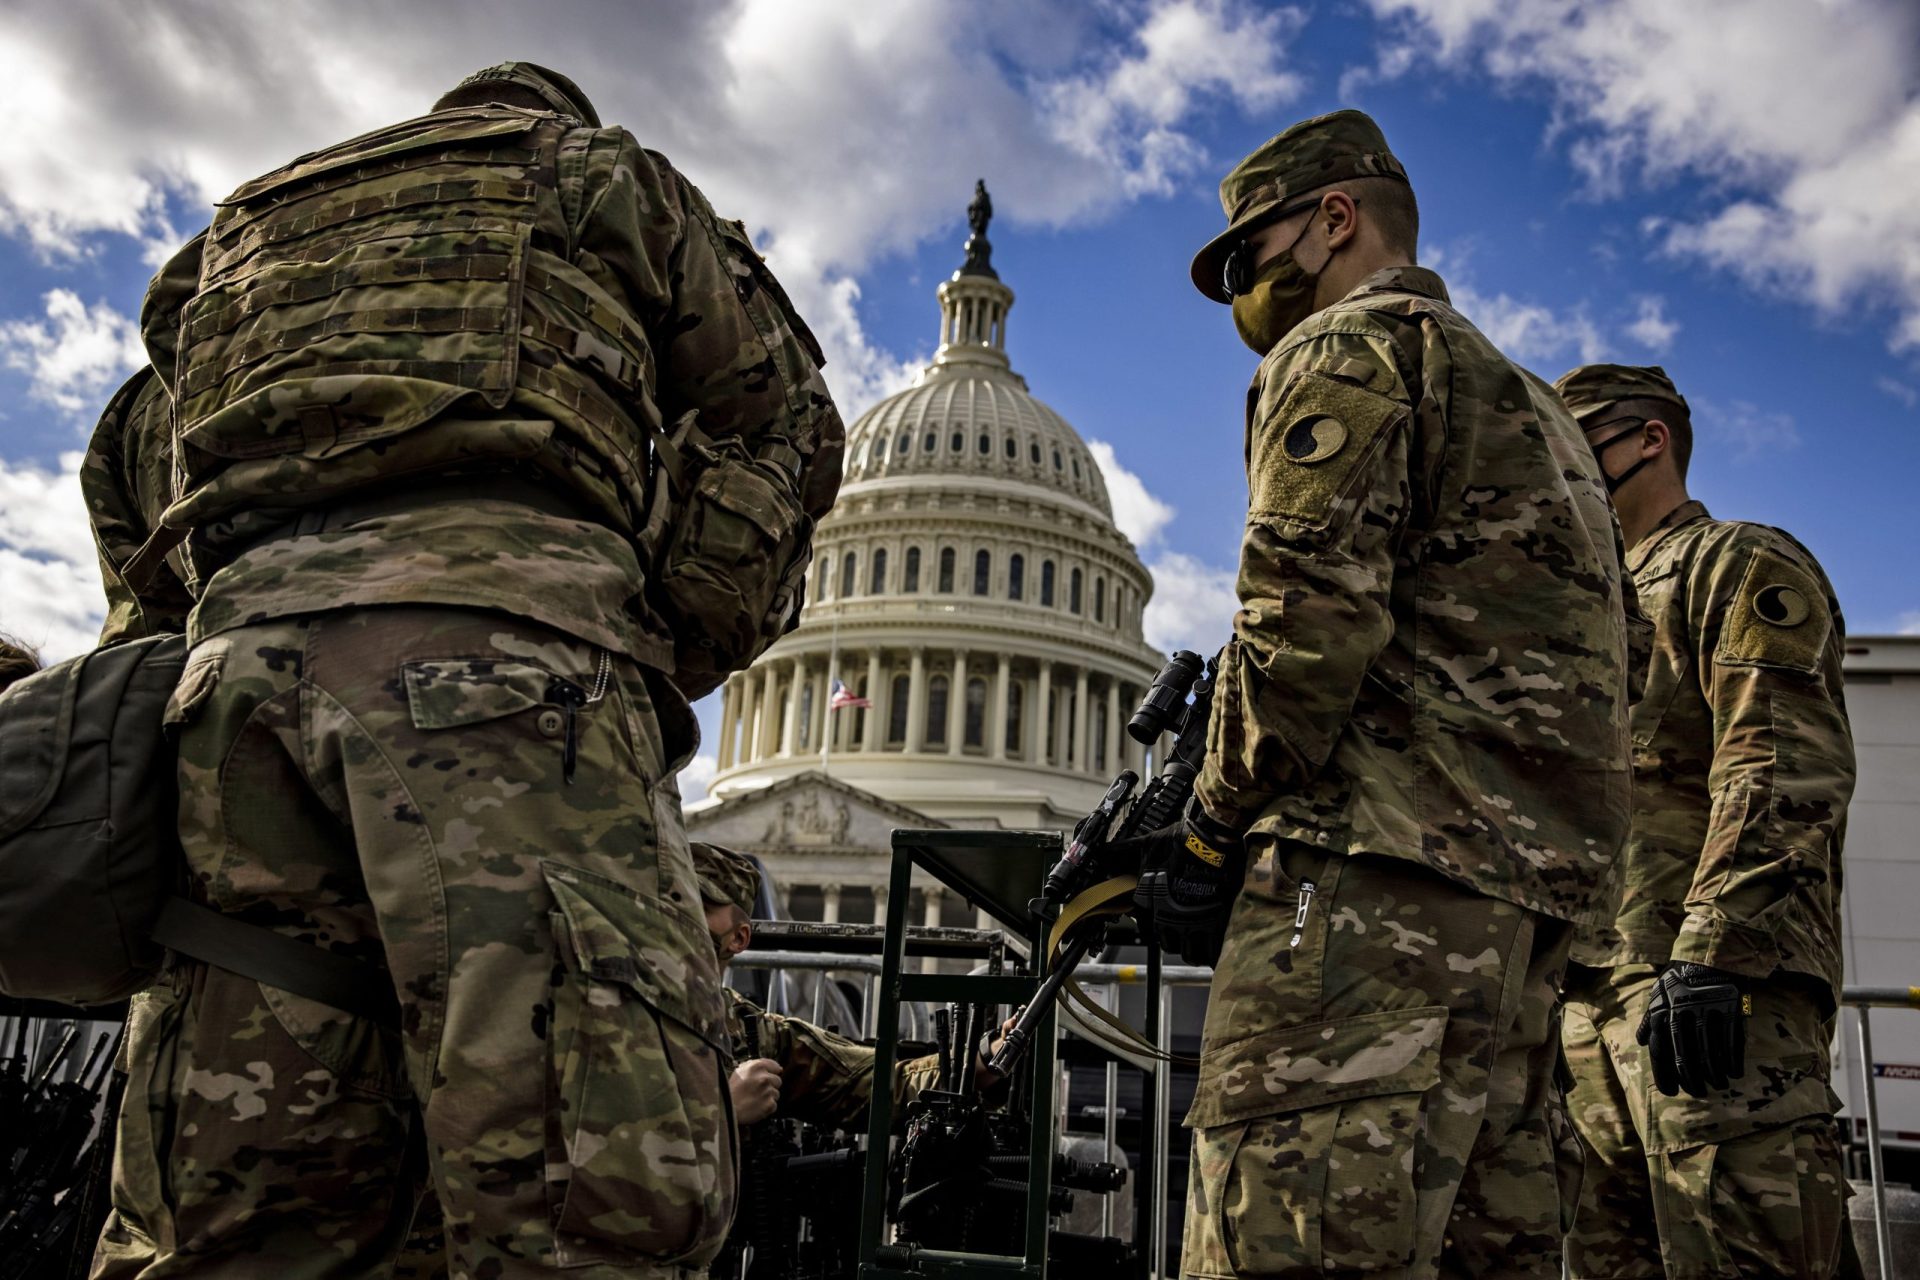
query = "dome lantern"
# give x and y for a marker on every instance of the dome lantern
(973, 303)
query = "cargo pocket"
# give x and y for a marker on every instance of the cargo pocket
(142, 1220)
(641, 1152)
(1304, 1150)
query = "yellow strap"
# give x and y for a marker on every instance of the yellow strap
(1108, 898)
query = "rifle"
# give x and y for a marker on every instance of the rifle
(1180, 701)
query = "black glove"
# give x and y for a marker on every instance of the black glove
(1696, 1029)
(1190, 873)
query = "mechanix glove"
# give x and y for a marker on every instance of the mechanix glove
(1190, 873)
(1695, 1029)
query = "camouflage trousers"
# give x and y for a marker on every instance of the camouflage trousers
(396, 785)
(1376, 1090)
(1750, 1183)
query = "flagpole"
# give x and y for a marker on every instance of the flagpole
(833, 673)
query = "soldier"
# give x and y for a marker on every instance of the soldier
(788, 1066)
(1699, 1016)
(494, 444)
(1417, 759)
(17, 661)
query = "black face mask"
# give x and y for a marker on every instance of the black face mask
(1613, 483)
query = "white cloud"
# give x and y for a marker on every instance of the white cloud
(1751, 431)
(1138, 513)
(1900, 391)
(76, 355)
(840, 133)
(1193, 604)
(1529, 331)
(1650, 327)
(1803, 118)
(1909, 624)
(1127, 115)
(50, 594)
(697, 777)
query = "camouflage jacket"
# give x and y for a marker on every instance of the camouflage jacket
(126, 479)
(825, 1079)
(1743, 759)
(1430, 658)
(442, 359)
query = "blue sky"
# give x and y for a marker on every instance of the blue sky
(1730, 188)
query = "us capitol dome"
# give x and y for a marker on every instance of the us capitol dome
(971, 585)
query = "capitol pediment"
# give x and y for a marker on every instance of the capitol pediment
(805, 812)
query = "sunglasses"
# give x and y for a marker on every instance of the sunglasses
(1237, 272)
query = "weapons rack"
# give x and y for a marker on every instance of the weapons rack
(999, 872)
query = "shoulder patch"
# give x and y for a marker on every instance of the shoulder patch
(1777, 618)
(1311, 446)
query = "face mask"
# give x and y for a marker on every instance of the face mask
(1613, 483)
(1279, 298)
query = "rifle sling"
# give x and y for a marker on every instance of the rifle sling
(253, 951)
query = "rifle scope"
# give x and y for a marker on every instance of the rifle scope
(1166, 697)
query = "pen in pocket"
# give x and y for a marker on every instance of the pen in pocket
(1300, 914)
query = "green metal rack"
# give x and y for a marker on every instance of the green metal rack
(1001, 873)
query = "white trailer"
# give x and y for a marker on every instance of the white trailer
(1880, 903)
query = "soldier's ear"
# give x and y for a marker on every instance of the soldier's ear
(1656, 439)
(1336, 214)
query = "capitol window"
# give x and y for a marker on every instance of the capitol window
(1016, 705)
(1046, 583)
(1073, 592)
(1099, 599)
(945, 584)
(1013, 448)
(846, 575)
(1016, 576)
(877, 576)
(911, 583)
(930, 442)
(937, 711)
(986, 444)
(982, 572)
(1033, 452)
(1056, 460)
(905, 443)
(976, 730)
(959, 442)
(897, 702)
(806, 715)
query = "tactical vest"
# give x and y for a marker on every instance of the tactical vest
(396, 306)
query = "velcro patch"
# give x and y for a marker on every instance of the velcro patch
(1308, 450)
(1777, 618)
(1205, 852)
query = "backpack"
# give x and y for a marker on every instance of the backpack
(92, 876)
(88, 853)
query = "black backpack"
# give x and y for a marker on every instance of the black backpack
(92, 876)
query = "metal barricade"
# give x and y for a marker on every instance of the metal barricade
(1863, 999)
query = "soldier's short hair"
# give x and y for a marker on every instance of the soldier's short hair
(1392, 207)
(18, 660)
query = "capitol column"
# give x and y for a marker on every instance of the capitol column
(790, 724)
(917, 700)
(822, 715)
(1082, 723)
(1116, 744)
(870, 740)
(767, 723)
(1043, 713)
(830, 904)
(729, 698)
(957, 704)
(999, 726)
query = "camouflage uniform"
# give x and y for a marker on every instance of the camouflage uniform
(436, 391)
(825, 1079)
(1422, 714)
(126, 478)
(1743, 765)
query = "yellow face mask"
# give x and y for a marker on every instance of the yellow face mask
(1279, 298)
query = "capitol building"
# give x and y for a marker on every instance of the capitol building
(970, 585)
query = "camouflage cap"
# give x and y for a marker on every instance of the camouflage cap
(725, 875)
(554, 89)
(1312, 154)
(1592, 389)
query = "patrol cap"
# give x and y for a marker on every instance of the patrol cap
(1312, 154)
(557, 91)
(726, 876)
(1592, 389)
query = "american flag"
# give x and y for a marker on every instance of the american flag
(845, 697)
